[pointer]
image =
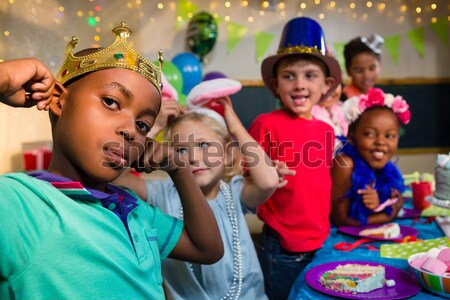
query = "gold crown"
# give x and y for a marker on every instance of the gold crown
(118, 55)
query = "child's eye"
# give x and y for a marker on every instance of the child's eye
(110, 103)
(311, 75)
(204, 145)
(143, 126)
(369, 134)
(181, 150)
(392, 136)
(287, 76)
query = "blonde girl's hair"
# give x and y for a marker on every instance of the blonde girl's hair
(233, 166)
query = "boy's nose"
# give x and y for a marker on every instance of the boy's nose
(128, 135)
(299, 84)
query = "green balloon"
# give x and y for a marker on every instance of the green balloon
(182, 99)
(173, 75)
(202, 34)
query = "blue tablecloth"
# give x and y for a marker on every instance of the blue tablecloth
(300, 290)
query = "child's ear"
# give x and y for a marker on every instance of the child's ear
(326, 90)
(274, 84)
(58, 98)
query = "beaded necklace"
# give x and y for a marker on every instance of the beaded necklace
(236, 284)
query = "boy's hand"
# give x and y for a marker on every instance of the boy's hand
(158, 156)
(25, 83)
(170, 109)
(370, 197)
(282, 170)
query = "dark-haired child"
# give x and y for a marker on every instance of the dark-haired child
(68, 233)
(363, 64)
(367, 186)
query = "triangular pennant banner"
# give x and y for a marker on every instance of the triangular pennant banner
(392, 44)
(441, 29)
(219, 20)
(339, 54)
(262, 41)
(235, 34)
(184, 9)
(415, 36)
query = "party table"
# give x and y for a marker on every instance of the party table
(367, 252)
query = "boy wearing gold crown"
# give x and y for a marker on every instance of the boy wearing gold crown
(68, 233)
(296, 215)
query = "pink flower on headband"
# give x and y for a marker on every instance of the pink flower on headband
(355, 106)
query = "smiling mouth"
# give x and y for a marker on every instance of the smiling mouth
(378, 154)
(299, 100)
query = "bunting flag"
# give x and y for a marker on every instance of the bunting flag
(339, 54)
(262, 42)
(235, 33)
(415, 36)
(440, 27)
(184, 9)
(392, 45)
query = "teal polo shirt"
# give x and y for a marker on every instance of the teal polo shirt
(62, 243)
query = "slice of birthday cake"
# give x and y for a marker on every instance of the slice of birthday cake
(388, 231)
(354, 278)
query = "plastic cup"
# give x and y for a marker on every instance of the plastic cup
(420, 190)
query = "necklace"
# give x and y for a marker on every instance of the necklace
(236, 284)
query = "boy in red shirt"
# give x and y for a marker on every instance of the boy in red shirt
(296, 217)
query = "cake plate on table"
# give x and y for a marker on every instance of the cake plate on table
(405, 286)
(355, 231)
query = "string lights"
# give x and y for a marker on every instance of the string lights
(91, 12)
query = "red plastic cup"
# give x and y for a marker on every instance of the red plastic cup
(420, 190)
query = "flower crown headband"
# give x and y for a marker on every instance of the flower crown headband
(356, 105)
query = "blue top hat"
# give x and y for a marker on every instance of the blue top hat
(302, 36)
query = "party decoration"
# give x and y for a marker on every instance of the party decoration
(415, 36)
(173, 75)
(235, 33)
(213, 75)
(190, 68)
(392, 45)
(262, 41)
(182, 99)
(202, 34)
(339, 53)
(441, 29)
(184, 9)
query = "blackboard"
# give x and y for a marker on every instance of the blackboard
(429, 105)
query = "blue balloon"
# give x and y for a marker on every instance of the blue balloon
(190, 68)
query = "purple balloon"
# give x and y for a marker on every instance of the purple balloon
(213, 75)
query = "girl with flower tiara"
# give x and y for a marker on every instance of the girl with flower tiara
(367, 186)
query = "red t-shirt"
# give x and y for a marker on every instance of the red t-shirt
(299, 212)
